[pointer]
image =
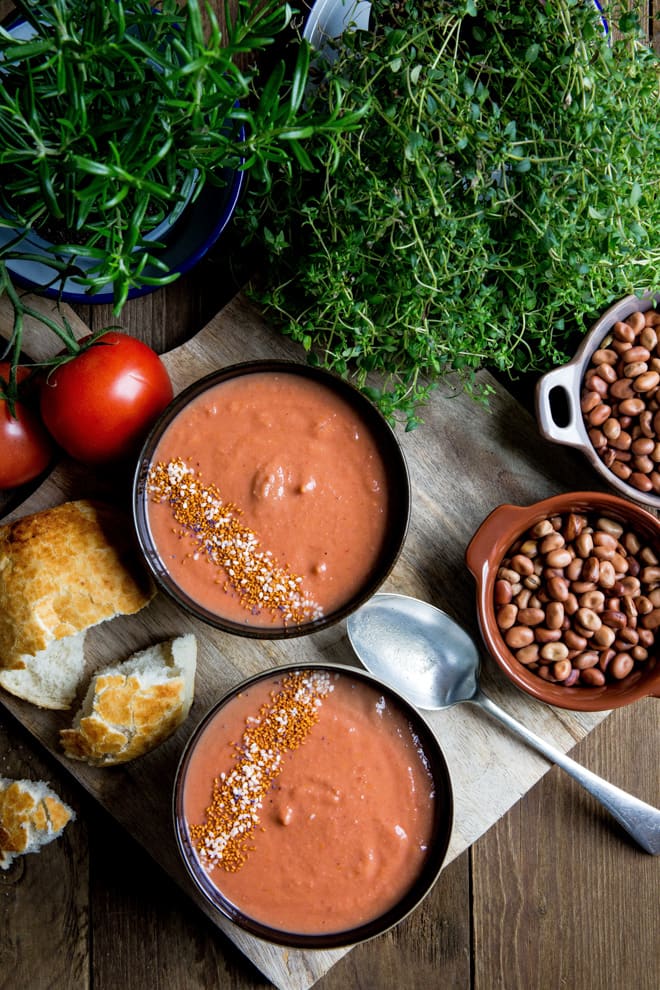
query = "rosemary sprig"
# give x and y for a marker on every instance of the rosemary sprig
(107, 110)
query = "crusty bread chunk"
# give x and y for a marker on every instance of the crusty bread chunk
(132, 707)
(31, 815)
(53, 676)
(62, 571)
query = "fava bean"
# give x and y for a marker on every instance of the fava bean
(518, 636)
(562, 670)
(592, 677)
(619, 401)
(594, 610)
(507, 616)
(531, 616)
(503, 593)
(621, 666)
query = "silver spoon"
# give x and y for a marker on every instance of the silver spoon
(434, 663)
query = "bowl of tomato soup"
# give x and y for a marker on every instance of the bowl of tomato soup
(313, 806)
(271, 499)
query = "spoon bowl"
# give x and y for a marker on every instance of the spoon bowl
(397, 638)
(432, 661)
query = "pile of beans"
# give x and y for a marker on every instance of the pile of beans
(577, 600)
(620, 401)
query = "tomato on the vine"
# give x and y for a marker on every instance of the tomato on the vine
(26, 450)
(100, 403)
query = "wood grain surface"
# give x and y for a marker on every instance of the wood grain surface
(552, 895)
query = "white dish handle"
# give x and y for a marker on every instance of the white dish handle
(567, 379)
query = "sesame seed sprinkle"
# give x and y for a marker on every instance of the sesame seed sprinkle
(251, 572)
(282, 724)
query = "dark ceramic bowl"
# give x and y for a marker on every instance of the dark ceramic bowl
(558, 397)
(492, 542)
(185, 243)
(442, 823)
(186, 236)
(397, 511)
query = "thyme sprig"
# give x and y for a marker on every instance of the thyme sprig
(503, 189)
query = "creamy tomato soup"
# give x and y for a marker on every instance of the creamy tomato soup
(268, 499)
(309, 801)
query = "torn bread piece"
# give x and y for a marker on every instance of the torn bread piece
(132, 707)
(52, 679)
(31, 815)
(62, 571)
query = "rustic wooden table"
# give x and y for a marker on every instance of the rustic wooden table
(554, 895)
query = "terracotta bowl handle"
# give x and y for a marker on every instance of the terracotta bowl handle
(482, 548)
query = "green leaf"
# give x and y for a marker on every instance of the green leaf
(636, 194)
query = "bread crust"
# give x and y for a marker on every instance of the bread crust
(31, 814)
(63, 570)
(134, 706)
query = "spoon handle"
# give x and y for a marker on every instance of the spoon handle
(640, 820)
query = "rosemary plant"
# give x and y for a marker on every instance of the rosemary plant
(503, 189)
(111, 112)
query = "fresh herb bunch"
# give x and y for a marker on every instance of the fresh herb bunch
(112, 113)
(503, 189)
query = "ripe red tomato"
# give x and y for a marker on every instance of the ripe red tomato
(100, 404)
(26, 450)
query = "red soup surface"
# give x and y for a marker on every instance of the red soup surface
(309, 802)
(268, 499)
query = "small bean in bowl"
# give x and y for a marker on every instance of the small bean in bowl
(611, 390)
(569, 598)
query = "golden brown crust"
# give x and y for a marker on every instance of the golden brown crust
(133, 707)
(30, 815)
(63, 570)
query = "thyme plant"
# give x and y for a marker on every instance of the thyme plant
(502, 189)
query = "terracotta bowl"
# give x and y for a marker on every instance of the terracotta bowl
(492, 542)
(558, 396)
(368, 420)
(312, 813)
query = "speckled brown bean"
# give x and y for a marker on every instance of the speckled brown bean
(622, 389)
(507, 616)
(622, 471)
(637, 321)
(558, 589)
(645, 381)
(648, 338)
(586, 659)
(592, 677)
(562, 670)
(596, 598)
(640, 481)
(554, 615)
(628, 364)
(519, 636)
(559, 558)
(552, 652)
(503, 593)
(652, 620)
(588, 619)
(599, 415)
(544, 635)
(589, 401)
(621, 666)
(623, 331)
(522, 565)
(531, 616)
(528, 654)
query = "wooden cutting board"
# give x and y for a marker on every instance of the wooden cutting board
(463, 461)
